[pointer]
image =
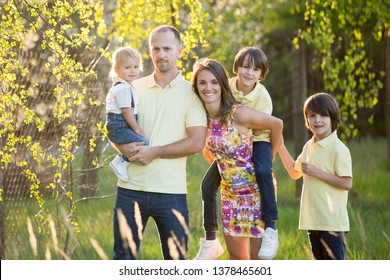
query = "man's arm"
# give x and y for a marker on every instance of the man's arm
(193, 143)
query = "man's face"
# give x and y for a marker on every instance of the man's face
(164, 50)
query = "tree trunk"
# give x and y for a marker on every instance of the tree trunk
(387, 94)
(299, 95)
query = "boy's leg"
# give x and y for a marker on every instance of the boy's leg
(327, 245)
(210, 184)
(317, 248)
(262, 159)
(210, 248)
(124, 135)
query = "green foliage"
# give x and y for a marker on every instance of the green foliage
(340, 32)
(133, 21)
(56, 30)
(233, 26)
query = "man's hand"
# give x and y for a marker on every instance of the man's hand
(145, 155)
(130, 149)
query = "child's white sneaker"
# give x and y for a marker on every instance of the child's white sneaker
(269, 245)
(209, 249)
(119, 166)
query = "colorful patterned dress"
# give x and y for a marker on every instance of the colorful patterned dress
(240, 194)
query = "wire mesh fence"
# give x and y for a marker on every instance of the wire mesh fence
(43, 180)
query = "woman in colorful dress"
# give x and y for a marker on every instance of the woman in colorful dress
(229, 139)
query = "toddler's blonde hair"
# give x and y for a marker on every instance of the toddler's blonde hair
(121, 53)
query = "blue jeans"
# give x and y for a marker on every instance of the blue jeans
(119, 131)
(262, 160)
(160, 207)
(327, 245)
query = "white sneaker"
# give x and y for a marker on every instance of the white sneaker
(119, 166)
(209, 250)
(269, 245)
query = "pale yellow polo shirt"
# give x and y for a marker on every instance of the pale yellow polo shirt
(324, 207)
(258, 99)
(163, 115)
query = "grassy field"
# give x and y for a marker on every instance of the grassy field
(369, 211)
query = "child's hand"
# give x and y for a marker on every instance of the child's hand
(309, 169)
(139, 132)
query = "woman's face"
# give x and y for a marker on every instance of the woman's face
(208, 86)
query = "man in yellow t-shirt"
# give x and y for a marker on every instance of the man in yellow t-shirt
(174, 121)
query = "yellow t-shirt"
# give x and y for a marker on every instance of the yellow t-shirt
(324, 207)
(163, 115)
(258, 99)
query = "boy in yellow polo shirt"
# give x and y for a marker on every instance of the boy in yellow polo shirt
(251, 67)
(326, 166)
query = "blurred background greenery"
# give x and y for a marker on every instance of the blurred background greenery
(56, 192)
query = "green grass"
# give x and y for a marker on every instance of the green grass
(369, 211)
